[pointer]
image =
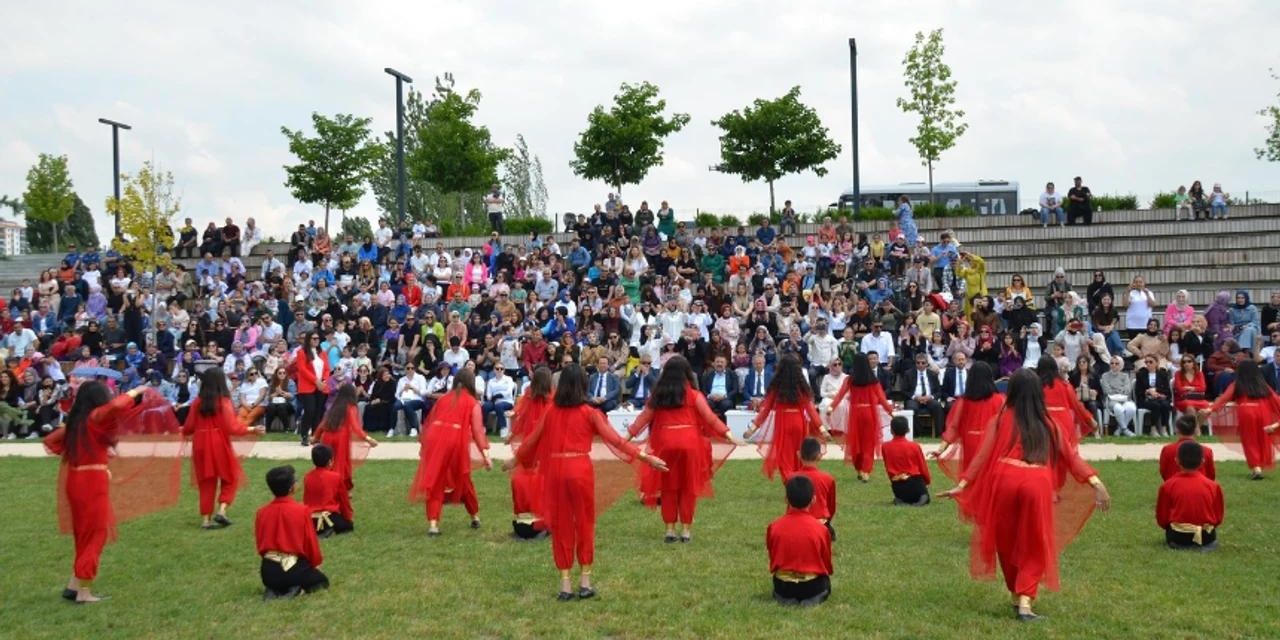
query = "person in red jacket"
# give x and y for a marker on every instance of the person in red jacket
(824, 485)
(339, 428)
(211, 423)
(444, 465)
(1189, 506)
(325, 494)
(286, 539)
(904, 462)
(560, 447)
(1186, 426)
(799, 549)
(311, 375)
(85, 445)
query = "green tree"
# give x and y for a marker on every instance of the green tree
(49, 197)
(773, 138)
(524, 189)
(79, 228)
(621, 145)
(332, 166)
(421, 200)
(147, 207)
(357, 227)
(454, 154)
(1270, 149)
(933, 97)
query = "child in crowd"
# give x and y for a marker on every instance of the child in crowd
(1189, 506)
(904, 462)
(325, 493)
(286, 538)
(799, 549)
(824, 486)
(1186, 426)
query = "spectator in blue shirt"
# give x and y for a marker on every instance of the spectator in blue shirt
(558, 325)
(579, 257)
(942, 256)
(766, 233)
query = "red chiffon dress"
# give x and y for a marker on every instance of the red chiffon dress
(1244, 423)
(681, 437)
(866, 423)
(526, 482)
(348, 443)
(214, 465)
(792, 423)
(444, 458)
(560, 448)
(967, 421)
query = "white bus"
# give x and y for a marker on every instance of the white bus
(987, 197)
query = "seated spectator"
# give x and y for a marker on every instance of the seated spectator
(922, 388)
(1051, 204)
(499, 398)
(720, 385)
(603, 388)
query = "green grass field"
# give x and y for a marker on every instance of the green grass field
(900, 572)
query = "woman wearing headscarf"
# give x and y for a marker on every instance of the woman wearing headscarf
(1244, 319)
(1179, 314)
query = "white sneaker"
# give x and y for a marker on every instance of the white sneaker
(505, 433)
(391, 432)
(31, 436)
(12, 436)
(413, 433)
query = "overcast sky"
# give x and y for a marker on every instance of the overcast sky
(1136, 96)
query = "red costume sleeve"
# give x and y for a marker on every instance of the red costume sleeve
(924, 466)
(527, 455)
(765, 408)
(477, 428)
(711, 423)
(353, 423)
(1227, 396)
(954, 419)
(1169, 459)
(1207, 467)
(884, 402)
(1069, 455)
(641, 423)
(844, 391)
(815, 420)
(620, 447)
(53, 443)
(831, 496)
(1082, 414)
(1219, 506)
(983, 457)
(1162, 505)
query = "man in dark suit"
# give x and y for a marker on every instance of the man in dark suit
(922, 390)
(641, 382)
(603, 388)
(955, 379)
(882, 374)
(1156, 398)
(757, 382)
(694, 349)
(720, 386)
(1271, 371)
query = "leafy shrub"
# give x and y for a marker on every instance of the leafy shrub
(928, 210)
(450, 227)
(1163, 200)
(757, 219)
(525, 225)
(875, 213)
(729, 221)
(706, 220)
(1110, 202)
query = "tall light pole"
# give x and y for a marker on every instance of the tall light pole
(401, 79)
(853, 100)
(115, 161)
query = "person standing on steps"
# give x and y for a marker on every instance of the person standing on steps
(495, 206)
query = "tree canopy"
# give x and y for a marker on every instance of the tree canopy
(522, 183)
(78, 229)
(333, 165)
(621, 145)
(1270, 149)
(932, 98)
(147, 207)
(769, 139)
(50, 197)
(357, 227)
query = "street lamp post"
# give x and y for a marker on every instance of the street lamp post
(401, 79)
(115, 161)
(853, 100)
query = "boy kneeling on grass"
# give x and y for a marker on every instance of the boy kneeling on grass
(1189, 506)
(287, 541)
(799, 550)
(904, 462)
(824, 486)
(325, 494)
(1186, 426)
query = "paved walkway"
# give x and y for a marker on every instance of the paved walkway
(277, 450)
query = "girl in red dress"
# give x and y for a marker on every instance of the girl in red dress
(1257, 418)
(968, 420)
(789, 402)
(85, 445)
(560, 448)
(339, 428)
(1189, 387)
(444, 459)
(1068, 413)
(681, 426)
(866, 422)
(526, 482)
(1010, 493)
(211, 423)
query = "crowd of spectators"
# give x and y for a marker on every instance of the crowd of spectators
(400, 312)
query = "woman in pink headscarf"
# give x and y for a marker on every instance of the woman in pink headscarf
(1179, 314)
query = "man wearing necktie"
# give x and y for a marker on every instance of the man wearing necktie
(641, 382)
(757, 381)
(956, 379)
(922, 390)
(1271, 371)
(603, 388)
(720, 385)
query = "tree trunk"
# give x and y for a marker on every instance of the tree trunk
(326, 217)
(931, 202)
(771, 199)
(55, 236)
(462, 212)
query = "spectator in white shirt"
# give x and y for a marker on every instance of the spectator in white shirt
(251, 397)
(880, 342)
(499, 398)
(411, 391)
(455, 355)
(1051, 203)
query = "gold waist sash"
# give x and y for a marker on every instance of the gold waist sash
(793, 576)
(285, 560)
(570, 454)
(323, 520)
(526, 518)
(1020, 463)
(679, 426)
(1197, 531)
(92, 467)
(451, 425)
(900, 477)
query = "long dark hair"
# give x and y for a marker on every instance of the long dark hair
(1035, 430)
(89, 396)
(981, 383)
(1047, 371)
(307, 349)
(1249, 381)
(540, 382)
(465, 380)
(213, 388)
(571, 391)
(676, 377)
(788, 381)
(861, 374)
(342, 401)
